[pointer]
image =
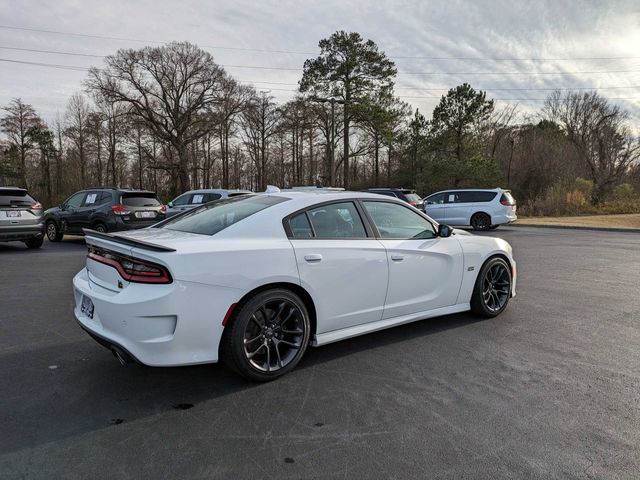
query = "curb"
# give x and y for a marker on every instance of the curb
(578, 227)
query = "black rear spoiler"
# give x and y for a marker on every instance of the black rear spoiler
(128, 241)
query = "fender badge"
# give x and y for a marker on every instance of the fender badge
(120, 285)
(471, 269)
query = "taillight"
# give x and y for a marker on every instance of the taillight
(120, 210)
(413, 204)
(37, 206)
(131, 269)
(163, 209)
(507, 203)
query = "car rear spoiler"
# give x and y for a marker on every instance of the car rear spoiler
(127, 241)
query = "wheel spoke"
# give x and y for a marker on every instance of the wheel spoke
(291, 344)
(275, 346)
(292, 332)
(255, 319)
(251, 340)
(252, 354)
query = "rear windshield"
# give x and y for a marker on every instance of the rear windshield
(140, 199)
(214, 217)
(16, 197)
(413, 197)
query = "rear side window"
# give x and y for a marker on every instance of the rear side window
(96, 198)
(140, 199)
(210, 197)
(337, 220)
(484, 196)
(384, 192)
(300, 226)
(17, 197)
(211, 218)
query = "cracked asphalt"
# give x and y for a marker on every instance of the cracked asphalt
(550, 389)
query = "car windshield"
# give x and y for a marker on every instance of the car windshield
(140, 199)
(16, 197)
(214, 217)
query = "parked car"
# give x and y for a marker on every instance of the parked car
(253, 280)
(20, 217)
(409, 196)
(103, 210)
(481, 209)
(195, 198)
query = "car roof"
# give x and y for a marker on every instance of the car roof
(217, 190)
(497, 189)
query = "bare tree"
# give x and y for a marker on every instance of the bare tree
(598, 130)
(260, 123)
(17, 125)
(169, 87)
(77, 130)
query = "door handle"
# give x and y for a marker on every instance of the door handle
(313, 258)
(397, 257)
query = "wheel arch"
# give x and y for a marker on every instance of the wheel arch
(479, 212)
(297, 289)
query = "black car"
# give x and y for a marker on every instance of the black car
(404, 194)
(103, 210)
(20, 217)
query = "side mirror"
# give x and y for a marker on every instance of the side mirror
(444, 231)
(62, 206)
(170, 204)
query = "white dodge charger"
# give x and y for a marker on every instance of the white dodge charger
(254, 280)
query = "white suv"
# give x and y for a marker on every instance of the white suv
(480, 208)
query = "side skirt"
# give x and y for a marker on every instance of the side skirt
(344, 333)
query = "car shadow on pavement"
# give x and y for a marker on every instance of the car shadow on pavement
(65, 390)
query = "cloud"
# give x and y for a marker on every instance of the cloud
(459, 37)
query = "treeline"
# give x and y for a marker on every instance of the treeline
(170, 119)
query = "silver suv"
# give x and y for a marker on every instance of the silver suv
(195, 198)
(20, 217)
(481, 209)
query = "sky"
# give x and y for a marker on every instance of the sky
(517, 51)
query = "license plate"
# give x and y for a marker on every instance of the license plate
(87, 306)
(14, 214)
(145, 214)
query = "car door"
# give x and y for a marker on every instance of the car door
(70, 216)
(340, 263)
(425, 271)
(84, 214)
(458, 205)
(435, 207)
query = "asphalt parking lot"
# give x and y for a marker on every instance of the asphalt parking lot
(550, 389)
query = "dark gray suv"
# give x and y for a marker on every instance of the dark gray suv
(20, 217)
(103, 210)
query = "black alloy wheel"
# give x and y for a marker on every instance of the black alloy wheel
(268, 336)
(481, 221)
(492, 288)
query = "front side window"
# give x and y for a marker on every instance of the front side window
(210, 197)
(337, 220)
(182, 200)
(398, 221)
(74, 201)
(211, 218)
(437, 199)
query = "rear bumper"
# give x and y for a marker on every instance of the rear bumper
(21, 232)
(503, 219)
(157, 325)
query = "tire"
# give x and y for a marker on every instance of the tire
(54, 234)
(267, 335)
(492, 289)
(34, 242)
(100, 227)
(480, 221)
